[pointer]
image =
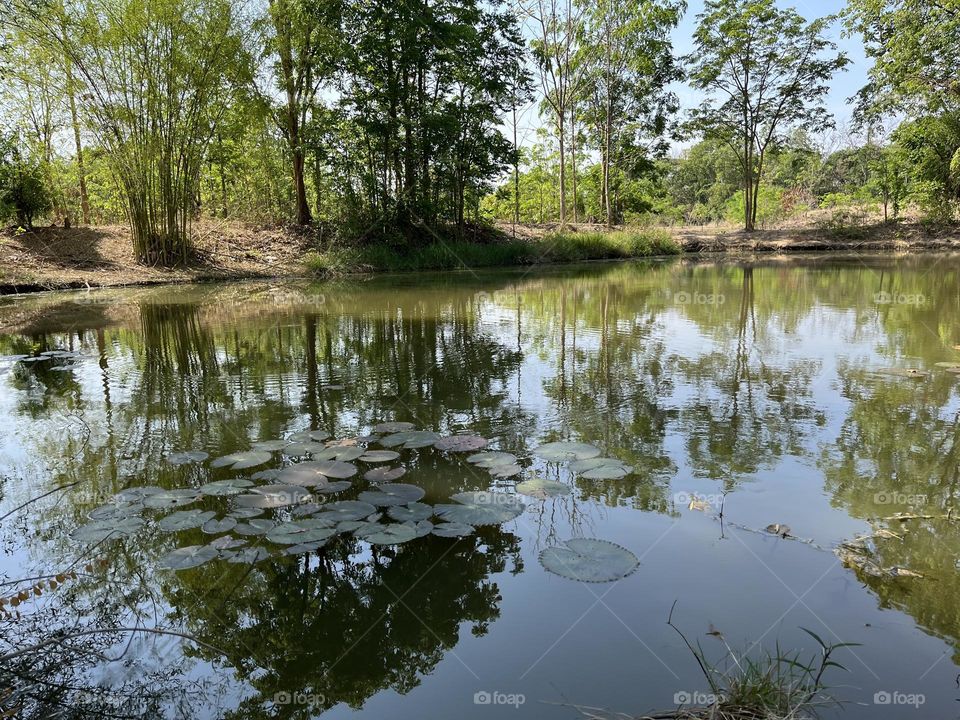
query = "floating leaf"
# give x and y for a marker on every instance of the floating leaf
(301, 531)
(246, 556)
(481, 508)
(305, 547)
(948, 365)
(589, 560)
(185, 520)
(215, 527)
(188, 557)
(171, 498)
(461, 443)
(423, 528)
(99, 530)
(116, 510)
(384, 474)
(245, 512)
(306, 509)
(301, 436)
(185, 458)
(392, 494)
(343, 454)
(378, 456)
(271, 474)
(242, 460)
(600, 468)
(332, 487)
(393, 427)
(226, 542)
(318, 435)
(393, 534)
(562, 451)
(225, 487)
(410, 439)
(347, 510)
(542, 489)
(492, 458)
(257, 526)
(137, 493)
(316, 472)
(452, 529)
(303, 448)
(505, 471)
(272, 496)
(413, 512)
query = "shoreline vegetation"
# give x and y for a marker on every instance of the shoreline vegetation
(44, 259)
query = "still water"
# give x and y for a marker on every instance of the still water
(775, 390)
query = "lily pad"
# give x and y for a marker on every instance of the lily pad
(188, 457)
(601, 468)
(412, 512)
(171, 498)
(116, 510)
(589, 560)
(246, 556)
(563, 451)
(131, 494)
(273, 496)
(342, 454)
(542, 489)
(392, 494)
(242, 460)
(422, 528)
(99, 530)
(461, 443)
(244, 513)
(302, 531)
(225, 487)
(317, 472)
(271, 474)
(505, 471)
(410, 439)
(332, 487)
(347, 510)
(305, 547)
(492, 458)
(226, 542)
(257, 526)
(392, 534)
(481, 508)
(378, 456)
(185, 520)
(188, 557)
(453, 529)
(318, 435)
(303, 448)
(393, 427)
(215, 527)
(384, 474)
(270, 445)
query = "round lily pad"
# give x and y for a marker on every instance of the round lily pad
(600, 468)
(304, 547)
(301, 436)
(225, 487)
(393, 427)
(412, 512)
(589, 560)
(492, 458)
(481, 508)
(303, 448)
(270, 445)
(186, 458)
(342, 454)
(505, 471)
(185, 520)
(300, 531)
(422, 528)
(272, 496)
(542, 489)
(171, 498)
(188, 557)
(116, 510)
(256, 526)
(461, 443)
(384, 474)
(316, 472)
(563, 451)
(378, 456)
(318, 435)
(131, 494)
(332, 487)
(215, 527)
(246, 556)
(410, 439)
(243, 513)
(226, 542)
(392, 534)
(347, 510)
(271, 474)
(392, 494)
(453, 529)
(242, 460)
(99, 530)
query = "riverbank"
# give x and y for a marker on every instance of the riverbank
(64, 258)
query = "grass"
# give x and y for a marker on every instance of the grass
(554, 247)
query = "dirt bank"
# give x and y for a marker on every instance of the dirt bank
(58, 258)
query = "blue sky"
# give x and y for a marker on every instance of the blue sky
(843, 84)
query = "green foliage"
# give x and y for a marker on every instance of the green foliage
(23, 191)
(769, 206)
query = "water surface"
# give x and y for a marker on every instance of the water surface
(749, 385)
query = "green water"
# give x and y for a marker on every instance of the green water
(751, 385)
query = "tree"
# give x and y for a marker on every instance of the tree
(628, 65)
(23, 190)
(913, 45)
(765, 71)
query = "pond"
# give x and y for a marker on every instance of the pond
(782, 447)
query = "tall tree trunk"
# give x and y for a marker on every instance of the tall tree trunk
(81, 172)
(573, 159)
(561, 127)
(516, 173)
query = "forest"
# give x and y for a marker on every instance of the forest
(396, 121)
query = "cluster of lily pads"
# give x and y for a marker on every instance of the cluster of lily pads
(386, 512)
(48, 356)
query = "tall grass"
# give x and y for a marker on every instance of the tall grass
(555, 247)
